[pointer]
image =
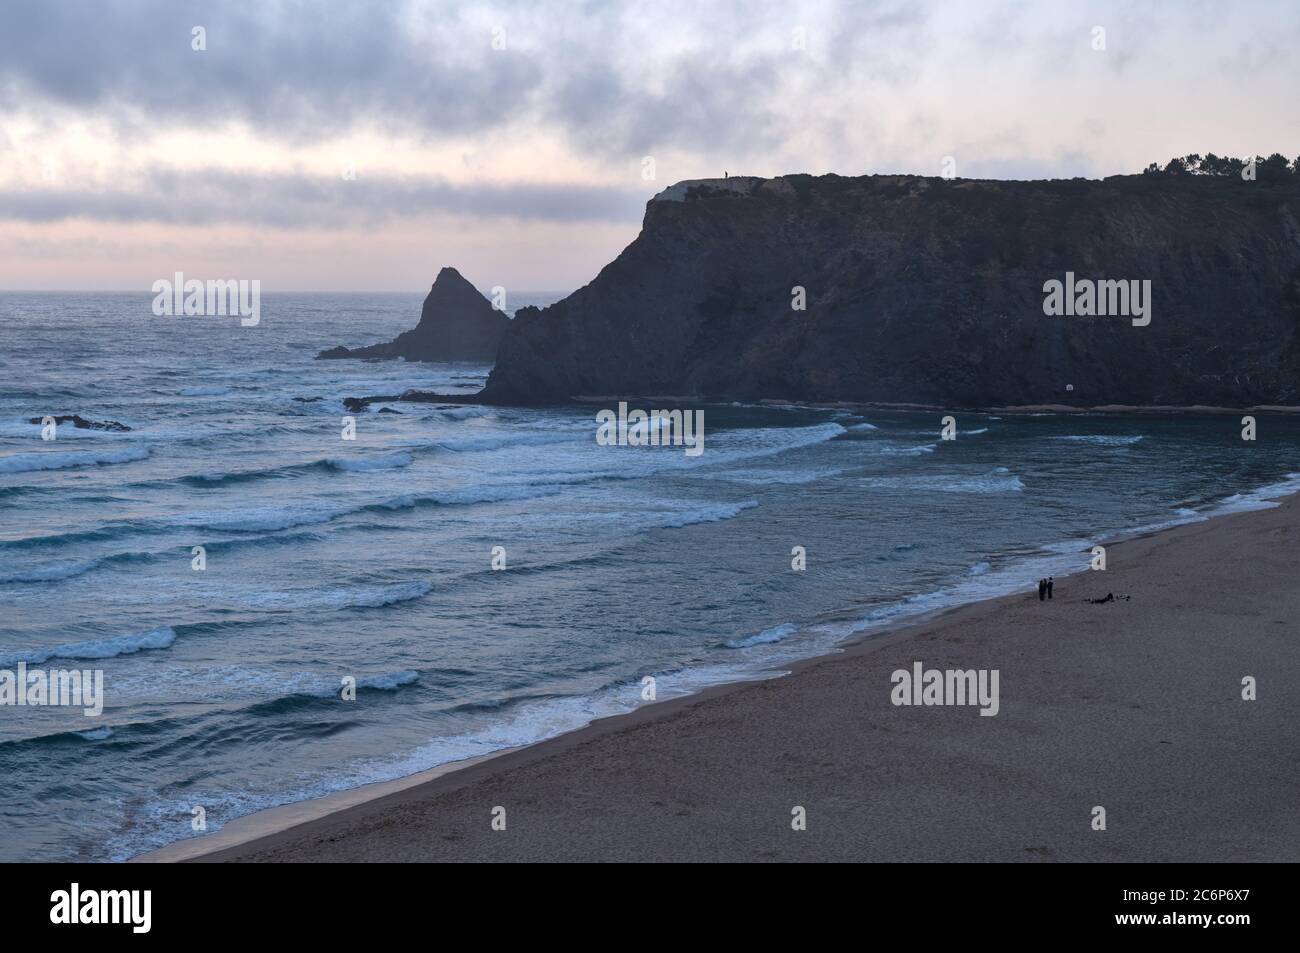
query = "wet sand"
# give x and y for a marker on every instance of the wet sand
(1134, 706)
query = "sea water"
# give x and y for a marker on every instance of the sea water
(372, 559)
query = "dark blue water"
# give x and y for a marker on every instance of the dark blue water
(371, 558)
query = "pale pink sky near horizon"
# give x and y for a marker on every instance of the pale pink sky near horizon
(322, 147)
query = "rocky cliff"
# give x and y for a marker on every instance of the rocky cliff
(931, 291)
(456, 324)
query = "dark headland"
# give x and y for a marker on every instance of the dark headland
(930, 291)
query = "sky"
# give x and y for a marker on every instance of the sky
(340, 146)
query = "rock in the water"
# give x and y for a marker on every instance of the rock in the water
(410, 396)
(456, 324)
(930, 291)
(81, 423)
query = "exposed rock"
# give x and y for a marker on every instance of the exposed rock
(930, 291)
(411, 396)
(81, 423)
(456, 324)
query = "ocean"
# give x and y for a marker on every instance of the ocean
(371, 559)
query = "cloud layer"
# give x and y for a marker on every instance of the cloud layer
(479, 115)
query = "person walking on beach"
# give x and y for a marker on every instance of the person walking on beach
(1042, 589)
(1049, 587)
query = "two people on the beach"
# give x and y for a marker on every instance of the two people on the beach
(1044, 588)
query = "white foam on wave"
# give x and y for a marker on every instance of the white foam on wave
(269, 518)
(771, 476)
(95, 734)
(231, 684)
(22, 427)
(992, 483)
(490, 441)
(96, 648)
(389, 682)
(523, 724)
(586, 461)
(51, 573)
(467, 496)
(648, 514)
(29, 462)
(366, 464)
(709, 513)
(1103, 440)
(1265, 497)
(1261, 498)
(460, 413)
(775, 634)
(354, 597)
(905, 450)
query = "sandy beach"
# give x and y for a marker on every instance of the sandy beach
(1134, 705)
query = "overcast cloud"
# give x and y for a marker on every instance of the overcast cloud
(109, 115)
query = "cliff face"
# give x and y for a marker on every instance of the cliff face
(923, 290)
(456, 324)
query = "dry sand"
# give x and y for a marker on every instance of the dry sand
(1135, 706)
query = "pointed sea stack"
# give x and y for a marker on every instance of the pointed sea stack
(456, 324)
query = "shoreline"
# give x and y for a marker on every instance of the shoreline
(276, 828)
